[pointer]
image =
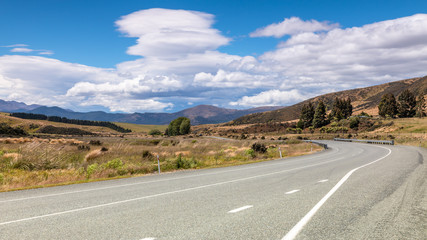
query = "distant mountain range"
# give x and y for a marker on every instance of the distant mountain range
(202, 114)
(363, 99)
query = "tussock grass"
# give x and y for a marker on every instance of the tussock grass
(40, 162)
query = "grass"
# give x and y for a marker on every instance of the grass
(36, 162)
(140, 128)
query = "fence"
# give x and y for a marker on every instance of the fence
(365, 141)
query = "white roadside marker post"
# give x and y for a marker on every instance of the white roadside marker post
(280, 152)
(158, 163)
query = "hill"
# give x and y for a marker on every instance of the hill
(202, 114)
(363, 99)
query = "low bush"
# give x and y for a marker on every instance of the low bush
(259, 147)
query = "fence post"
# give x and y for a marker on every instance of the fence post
(158, 163)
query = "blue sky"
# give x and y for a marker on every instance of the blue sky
(107, 55)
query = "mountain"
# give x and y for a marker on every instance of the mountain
(12, 106)
(202, 114)
(363, 99)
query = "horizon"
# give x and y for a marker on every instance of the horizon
(168, 56)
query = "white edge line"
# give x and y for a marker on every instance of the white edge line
(300, 225)
(140, 183)
(240, 209)
(293, 191)
(162, 194)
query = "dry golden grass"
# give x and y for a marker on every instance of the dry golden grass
(40, 162)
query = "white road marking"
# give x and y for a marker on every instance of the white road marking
(240, 209)
(300, 225)
(148, 239)
(154, 181)
(322, 181)
(161, 194)
(293, 191)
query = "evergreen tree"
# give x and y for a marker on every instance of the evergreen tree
(341, 109)
(387, 106)
(421, 105)
(319, 119)
(407, 103)
(307, 115)
(179, 126)
(348, 108)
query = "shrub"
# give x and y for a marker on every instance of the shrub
(114, 164)
(354, 122)
(95, 142)
(83, 148)
(185, 163)
(91, 169)
(147, 154)
(251, 153)
(104, 149)
(259, 147)
(154, 132)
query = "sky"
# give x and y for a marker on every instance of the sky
(165, 56)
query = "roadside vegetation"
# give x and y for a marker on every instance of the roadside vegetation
(30, 162)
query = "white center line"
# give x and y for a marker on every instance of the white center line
(240, 209)
(322, 181)
(293, 191)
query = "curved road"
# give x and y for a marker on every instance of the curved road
(350, 191)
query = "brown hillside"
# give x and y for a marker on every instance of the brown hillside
(363, 99)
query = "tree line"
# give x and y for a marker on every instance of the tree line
(317, 117)
(71, 121)
(406, 105)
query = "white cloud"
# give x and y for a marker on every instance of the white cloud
(45, 52)
(271, 98)
(194, 71)
(127, 105)
(16, 45)
(292, 26)
(23, 50)
(353, 57)
(170, 33)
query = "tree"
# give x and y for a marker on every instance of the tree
(319, 119)
(407, 103)
(421, 105)
(341, 109)
(307, 115)
(179, 126)
(387, 106)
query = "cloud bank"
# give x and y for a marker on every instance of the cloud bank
(181, 65)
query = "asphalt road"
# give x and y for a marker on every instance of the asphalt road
(351, 191)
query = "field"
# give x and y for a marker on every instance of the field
(139, 128)
(35, 162)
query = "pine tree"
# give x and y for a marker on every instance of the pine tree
(387, 106)
(421, 105)
(307, 115)
(407, 103)
(319, 119)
